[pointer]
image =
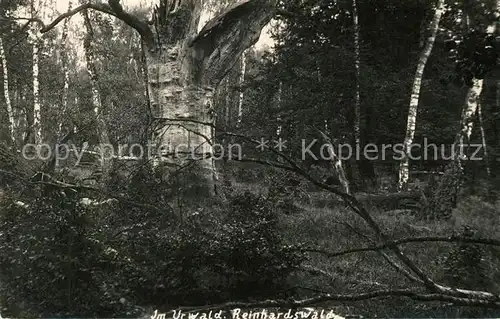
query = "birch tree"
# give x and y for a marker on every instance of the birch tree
(357, 65)
(6, 92)
(474, 94)
(446, 195)
(241, 93)
(37, 122)
(415, 96)
(64, 64)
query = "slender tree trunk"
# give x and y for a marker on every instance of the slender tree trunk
(356, 177)
(471, 107)
(415, 96)
(241, 93)
(278, 104)
(64, 64)
(423, 31)
(227, 111)
(37, 121)
(357, 65)
(20, 118)
(6, 93)
(483, 139)
(445, 196)
(497, 100)
(90, 59)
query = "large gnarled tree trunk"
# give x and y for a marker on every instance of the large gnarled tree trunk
(184, 69)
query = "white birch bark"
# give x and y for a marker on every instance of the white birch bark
(415, 96)
(20, 119)
(473, 95)
(227, 111)
(357, 65)
(470, 109)
(37, 122)
(483, 139)
(64, 65)
(6, 93)
(280, 91)
(241, 93)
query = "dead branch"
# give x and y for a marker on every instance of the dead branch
(449, 239)
(224, 38)
(114, 8)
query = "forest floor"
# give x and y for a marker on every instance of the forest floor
(319, 220)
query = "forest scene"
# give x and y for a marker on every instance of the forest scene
(280, 154)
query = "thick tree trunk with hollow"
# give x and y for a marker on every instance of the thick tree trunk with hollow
(184, 69)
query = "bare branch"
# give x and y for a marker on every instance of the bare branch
(114, 8)
(415, 295)
(70, 13)
(359, 209)
(141, 26)
(449, 239)
(317, 271)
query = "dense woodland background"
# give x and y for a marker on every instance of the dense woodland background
(78, 240)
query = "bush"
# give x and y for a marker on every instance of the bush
(62, 258)
(238, 255)
(51, 259)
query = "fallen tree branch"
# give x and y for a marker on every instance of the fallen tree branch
(358, 209)
(404, 293)
(317, 271)
(449, 239)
